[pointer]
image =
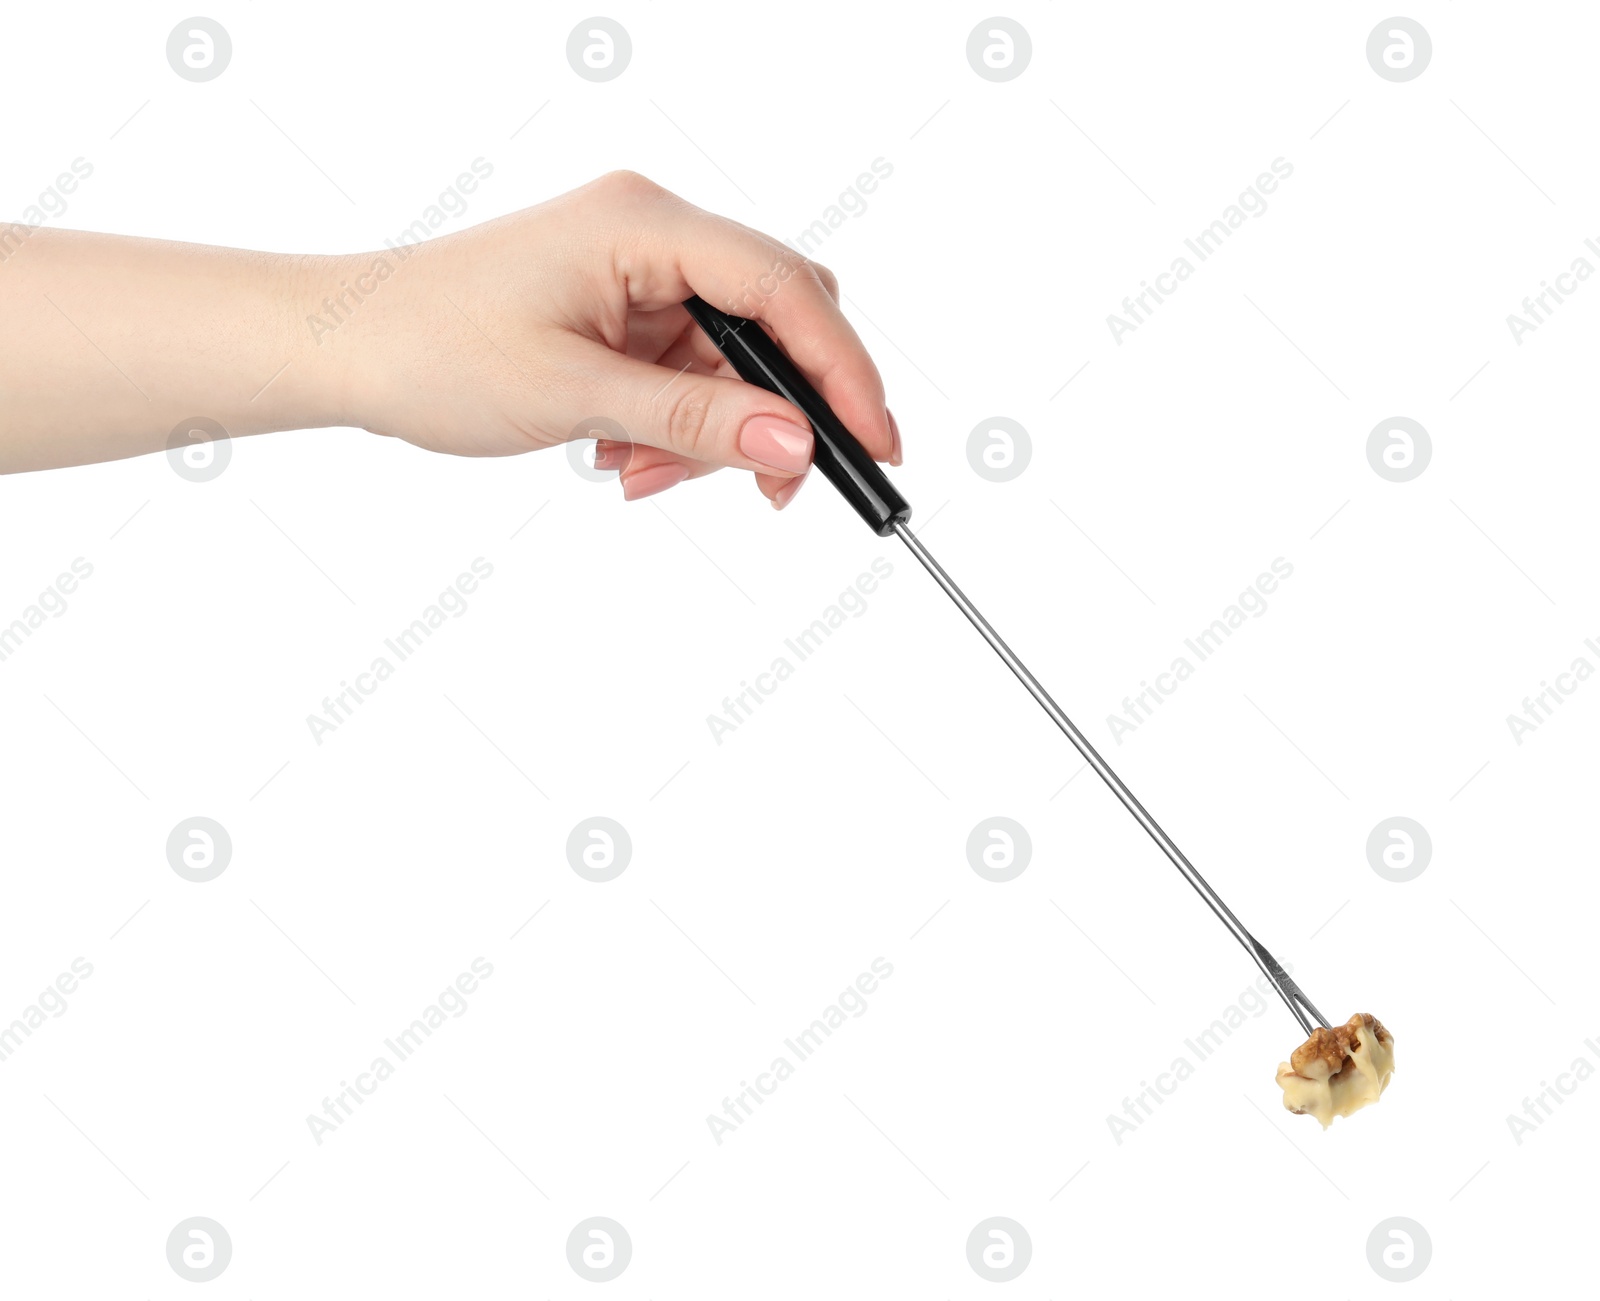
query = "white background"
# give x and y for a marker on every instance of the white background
(768, 871)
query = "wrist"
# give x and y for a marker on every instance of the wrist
(319, 385)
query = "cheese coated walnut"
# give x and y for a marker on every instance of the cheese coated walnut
(1338, 1070)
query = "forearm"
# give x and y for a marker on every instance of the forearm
(108, 343)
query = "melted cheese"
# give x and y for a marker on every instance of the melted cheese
(1318, 1090)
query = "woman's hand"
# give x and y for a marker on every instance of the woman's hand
(564, 320)
(559, 322)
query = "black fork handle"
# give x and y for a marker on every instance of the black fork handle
(751, 351)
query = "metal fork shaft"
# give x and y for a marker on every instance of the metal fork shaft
(1287, 989)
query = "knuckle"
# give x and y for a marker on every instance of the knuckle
(689, 421)
(628, 184)
(787, 264)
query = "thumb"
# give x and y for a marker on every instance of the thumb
(708, 418)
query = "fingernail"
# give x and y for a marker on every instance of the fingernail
(658, 478)
(785, 494)
(776, 442)
(610, 456)
(897, 453)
